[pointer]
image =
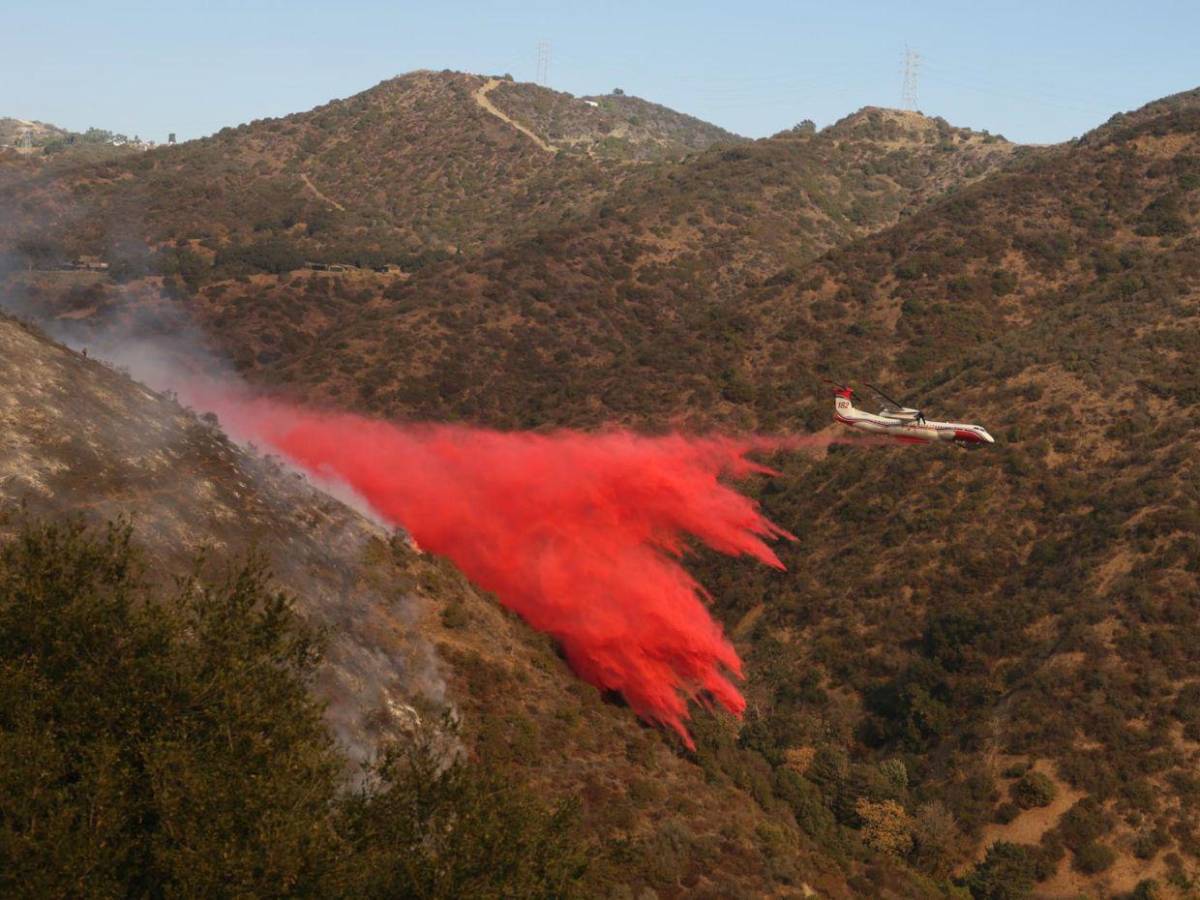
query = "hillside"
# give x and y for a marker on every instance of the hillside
(1034, 605)
(950, 623)
(662, 252)
(611, 126)
(408, 636)
(413, 166)
(12, 131)
(49, 142)
(1123, 120)
(966, 648)
(82, 438)
(411, 170)
(642, 286)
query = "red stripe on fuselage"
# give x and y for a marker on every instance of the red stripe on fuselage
(902, 438)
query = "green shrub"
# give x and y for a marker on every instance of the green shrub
(164, 742)
(1163, 216)
(154, 744)
(455, 615)
(273, 254)
(1093, 858)
(1016, 770)
(438, 831)
(1006, 873)
(1083, 823)
(1146, 889)
(1033, 790)
(1006, 812)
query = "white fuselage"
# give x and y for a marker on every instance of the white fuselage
(907, 428)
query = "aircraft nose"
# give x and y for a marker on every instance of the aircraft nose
(987, 437)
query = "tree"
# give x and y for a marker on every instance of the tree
(443, 827)
(275, 255)
(164, 742)
(935, 839)
(886, 826)
(1146, 889)
(1008, 872)
(39, 250)
(154, 744)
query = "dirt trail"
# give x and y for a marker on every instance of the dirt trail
(312, 187)
(481, 98)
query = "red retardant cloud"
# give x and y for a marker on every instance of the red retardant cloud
(581, 534)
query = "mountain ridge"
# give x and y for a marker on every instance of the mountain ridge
(409, 639)
(965, 648)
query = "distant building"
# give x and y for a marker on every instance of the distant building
(328, 267)
(88, 264)
(171, 138)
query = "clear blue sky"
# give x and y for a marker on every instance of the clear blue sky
(1035, 72)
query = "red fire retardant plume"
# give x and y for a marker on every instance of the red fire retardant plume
(581, 534)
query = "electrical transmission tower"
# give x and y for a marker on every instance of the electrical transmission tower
(25, 142)
(543, 65)
(912, 68)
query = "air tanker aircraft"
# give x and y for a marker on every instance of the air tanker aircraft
(904, 423)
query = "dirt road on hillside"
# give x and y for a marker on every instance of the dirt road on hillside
(312, 187)
(481, 98)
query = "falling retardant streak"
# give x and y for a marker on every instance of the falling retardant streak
(581, 534)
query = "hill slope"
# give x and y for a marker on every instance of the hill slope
(1035, 604)
(81, 438)
(568, 321)
(415, 167)
(958, 621)
(408, 635)
(411, 166)
(662, 254)
(949, 623)
(613, 126)
(12, 131)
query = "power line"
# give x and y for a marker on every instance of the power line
(1007, 92)
(912, 68)
(543, 62)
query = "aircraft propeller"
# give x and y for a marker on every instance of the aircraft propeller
(920, 417)
(840, 387)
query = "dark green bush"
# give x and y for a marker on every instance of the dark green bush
(1006, 873)
(457, 831)
(154, 743)
(1083, 824)
(273, 255)
(1034, 789)
(1093, 858)
(1006, 812)
(164, 742)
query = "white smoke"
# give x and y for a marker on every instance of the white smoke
(372, 678)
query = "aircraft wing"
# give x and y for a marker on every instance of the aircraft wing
(901, 414)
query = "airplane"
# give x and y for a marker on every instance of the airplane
(905, 424)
